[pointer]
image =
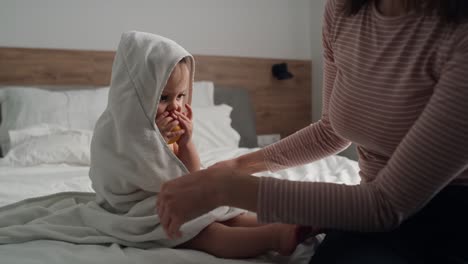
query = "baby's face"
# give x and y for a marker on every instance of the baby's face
(172, 97)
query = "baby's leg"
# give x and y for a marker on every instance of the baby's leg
(244, 242)
(243, 220)
(250, 220)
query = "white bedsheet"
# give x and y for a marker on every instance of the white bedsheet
(20, 183)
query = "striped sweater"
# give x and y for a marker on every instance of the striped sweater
(398, 88)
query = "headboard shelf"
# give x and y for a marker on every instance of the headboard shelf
(281, 107)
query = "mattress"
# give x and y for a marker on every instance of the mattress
(19, 183)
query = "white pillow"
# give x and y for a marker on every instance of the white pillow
(86, 106)
(19, 136)
(24, 107)
(203, 94)
(212, 128)
(53, 144)
(48, 145)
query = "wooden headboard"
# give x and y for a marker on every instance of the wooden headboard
(281, 106)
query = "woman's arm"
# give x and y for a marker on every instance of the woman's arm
(433, 153)
(249, 163)
(194, 194)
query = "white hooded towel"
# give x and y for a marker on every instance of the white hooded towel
(129, 162)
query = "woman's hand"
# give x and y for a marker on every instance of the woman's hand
(166, 123)
(192, 195)
(185, 122)
(224, 183)
(188, 197)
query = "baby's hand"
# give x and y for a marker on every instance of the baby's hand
(185, 122)
(166, 123)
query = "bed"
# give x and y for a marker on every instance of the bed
(50, 100)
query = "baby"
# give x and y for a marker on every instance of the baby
(239, 237)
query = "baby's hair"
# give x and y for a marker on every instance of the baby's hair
(183, 60)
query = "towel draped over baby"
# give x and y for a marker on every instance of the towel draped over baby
(129, 162)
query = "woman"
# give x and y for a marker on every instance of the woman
(396, 84)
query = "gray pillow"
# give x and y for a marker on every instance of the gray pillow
(242, 115)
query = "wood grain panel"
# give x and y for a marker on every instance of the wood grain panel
(281, 106)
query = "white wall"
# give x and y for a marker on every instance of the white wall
(256, 28)
(288, 29)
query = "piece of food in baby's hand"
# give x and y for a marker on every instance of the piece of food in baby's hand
(174, 139)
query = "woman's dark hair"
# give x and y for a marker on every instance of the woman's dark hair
(451, 11)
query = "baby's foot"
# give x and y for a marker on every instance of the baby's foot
(288, 239)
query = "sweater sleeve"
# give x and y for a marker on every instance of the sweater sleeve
(432, 154)
(318, 140)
